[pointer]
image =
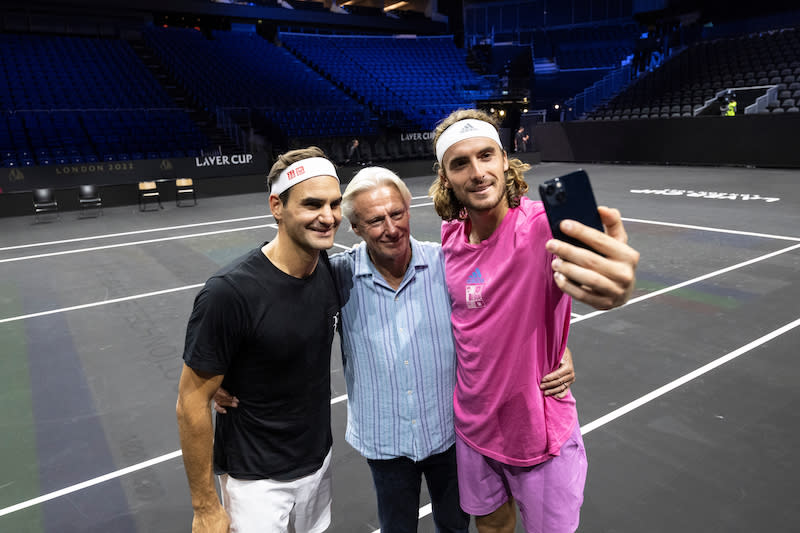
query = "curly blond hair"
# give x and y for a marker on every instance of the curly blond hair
(444, 200)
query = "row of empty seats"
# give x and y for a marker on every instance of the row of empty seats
(241, 69)
(586, 47)
(686, 82)
(424, 78)
(30, 138)
(374, 150)
(75, 99)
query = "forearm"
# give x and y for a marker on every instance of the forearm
(197, 435)
(197, 443)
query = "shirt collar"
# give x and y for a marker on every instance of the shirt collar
(364, 266)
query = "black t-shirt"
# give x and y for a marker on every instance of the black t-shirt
(270, 334)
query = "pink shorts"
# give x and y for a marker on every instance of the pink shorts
(549, 495)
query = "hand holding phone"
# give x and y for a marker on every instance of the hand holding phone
(570, 197)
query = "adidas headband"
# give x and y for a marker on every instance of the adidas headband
(465, 129)
(301, 171)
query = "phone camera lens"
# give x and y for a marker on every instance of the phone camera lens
(550, 189)
(561, 196)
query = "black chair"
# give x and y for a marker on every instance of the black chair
(184, 187)
(44, 201)
(89, 199)
(148, 191)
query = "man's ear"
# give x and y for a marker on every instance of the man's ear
(505, 161)
(276, 206)
(356, 229)
(443, 181)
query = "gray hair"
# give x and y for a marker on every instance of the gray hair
(367, 179)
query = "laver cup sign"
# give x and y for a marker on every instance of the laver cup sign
(119, 172)
(224, 160)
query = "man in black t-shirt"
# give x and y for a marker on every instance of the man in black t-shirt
(262, 327)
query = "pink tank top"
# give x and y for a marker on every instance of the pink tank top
(510, 323)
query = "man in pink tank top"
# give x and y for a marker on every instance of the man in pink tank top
(510, 285)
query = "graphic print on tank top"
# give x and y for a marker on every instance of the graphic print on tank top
(475, 287)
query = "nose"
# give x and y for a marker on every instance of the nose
(327, 215)
(475, 172)
(390, 226)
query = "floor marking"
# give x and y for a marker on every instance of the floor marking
(575, 319)
(134, 243)
(425, 510)
(107, 477)
(716, 230)
(136, 232)
(103, 302)
(689, 282)
(89, 483)
(625, 409)
(256, 217)
(150, 241)
(613, 415)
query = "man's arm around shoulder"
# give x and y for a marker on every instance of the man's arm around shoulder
(197, 443)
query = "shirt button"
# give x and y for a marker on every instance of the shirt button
(409, 393)
(406, 362)
(413, 422)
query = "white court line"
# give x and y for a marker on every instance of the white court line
(148, 241)
(625, 409)
(136, 232)
(575, 318)
(103, 302)
(425, 510)
(649, 397)
(717, 230)
(691, 281)
(107, 477)
(134, 243)
(152, 230)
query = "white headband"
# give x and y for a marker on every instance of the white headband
(301, 171)
(465, 129)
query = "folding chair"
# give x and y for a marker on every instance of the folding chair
(148, 191)
(89, 198)
(184, 187)
(44, 201)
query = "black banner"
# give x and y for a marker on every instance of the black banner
(759, 140)
(20, 179)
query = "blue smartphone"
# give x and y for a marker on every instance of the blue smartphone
(570, 197)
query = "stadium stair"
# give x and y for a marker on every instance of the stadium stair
(205, 121)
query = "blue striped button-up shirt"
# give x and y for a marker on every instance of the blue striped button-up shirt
(398, 354)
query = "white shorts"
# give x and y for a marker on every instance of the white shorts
(268, 506)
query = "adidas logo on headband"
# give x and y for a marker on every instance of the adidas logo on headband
(467, 127)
